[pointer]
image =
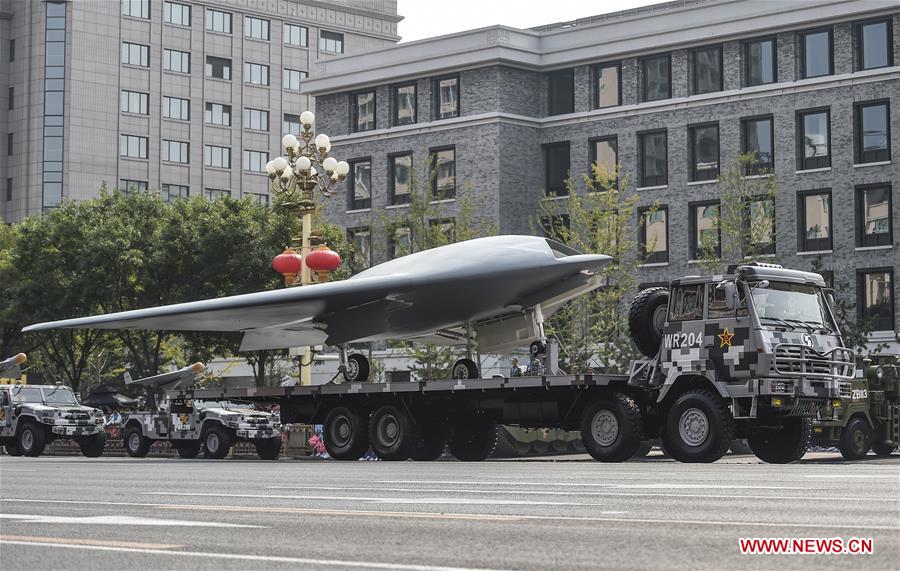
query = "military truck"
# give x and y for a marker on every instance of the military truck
(32, 416)
(192, 425)
(872, 418)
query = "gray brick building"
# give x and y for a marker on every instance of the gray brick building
(188, 96)
(676, 92)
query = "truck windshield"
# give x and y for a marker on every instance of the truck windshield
(792, 305)
(26, 394)
(59, 395)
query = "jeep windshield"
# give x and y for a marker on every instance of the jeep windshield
(795, 306)
(56, 395)
(27, 394)
(59, 395)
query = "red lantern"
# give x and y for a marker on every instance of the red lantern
(288, 264)
(323, 260)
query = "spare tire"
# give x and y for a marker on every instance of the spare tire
(646, 319)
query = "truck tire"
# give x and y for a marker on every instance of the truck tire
(92, 446)
(217, 441)
(612, 428)
(784, 445)
(12, 448)
(473, 439)
(268, 448)
(189, 449)
(430, 443)
(646, 318)
(345, 434)
(879, 448)
(31, 438)
(856, 439)
(391, 433)
(464, 369)
(136, 445)
(698, 428)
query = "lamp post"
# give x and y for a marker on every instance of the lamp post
(305, 169)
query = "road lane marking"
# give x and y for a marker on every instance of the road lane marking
(308, 562)
(534, 492)
(117, 520)
(100, 542)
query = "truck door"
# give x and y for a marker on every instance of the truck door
(727, 332)
(5, 411)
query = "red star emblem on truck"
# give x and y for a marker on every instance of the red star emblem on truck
(725, 338)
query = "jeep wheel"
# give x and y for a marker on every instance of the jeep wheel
(474, 439)
(646, 318)
(136, 445)
(612, 428)
(31, 438)
(12, 449)
(879, 448)
(268, 448)
(217, 442)
(856, 439)
(345, 434)
(92, 446)
(782, 445)
(699, 427)
(189, 449)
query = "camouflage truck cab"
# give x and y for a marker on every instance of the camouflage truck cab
(754, 355)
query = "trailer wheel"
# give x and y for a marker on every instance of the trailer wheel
(783, 445)
(879, 448)
(474, 439)
(357, 370)
(268, 448)
(92, 446)
(699, 427)
(856, 439)
(217, 442)
(646, 319)
(391, 433)
(188, 450)
(136, 445)
(31, 439)
(612, 428)
(430, 443)
(345, 433)
(465, 369)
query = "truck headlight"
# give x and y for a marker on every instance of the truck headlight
(879, 373)
(232, 424)
(777, 402)
(837, 403)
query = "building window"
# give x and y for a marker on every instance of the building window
(400, 178)
(291, 124)
(604, 153)
(332, 42)
(359, 185)
(217, 21)
(706, 240)
(363, 111)
(135, 54)
(873, 216)
(759, 138)
(814, 221)
(813, 139)
(256, 119)
(176, 152)
(170, 192)
(135, 102)
(133, 146)
(131, 186)
(216, 194)
(176, 108)
(875, 44)
(443, 173)
(704, 152)
(816, 56)
(399, 242)
(10, 98)
(445, 227)
(257, 198)
(9, 189)
(291, 79)
(404, 108)
(761, 62)
(256, 73)
(361, 241)
(607, 85)
(561, 93)
(9, 144)
(556, 169)
(256, 28)
(759, 226)
(296, 35)
(179, 14)
(54, 103)
(654, 158)
(255, 161)
(217, 67)
(217, 114)
(657, 77)
(875, 298)
(654, 235)
(218, 157)
(174, 60)
(136, 8)
(446, 97)
(12, 50)
(872, 132)
(707, 64)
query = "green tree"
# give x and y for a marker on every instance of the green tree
(10, 327)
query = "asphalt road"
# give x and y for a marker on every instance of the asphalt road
(122, 513)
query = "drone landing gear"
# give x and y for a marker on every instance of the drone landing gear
(545, 351)
(467, 368)
(354, 368)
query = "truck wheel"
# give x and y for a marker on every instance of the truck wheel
(189, 449)
(473, 439)
(644, 449)
(217, 442)
(856, 439)
(31, 438)
(345, 433)
(646, 318)
(740, 446)
(268, 448)
(465, 369)
(879, 448)
(357, 370)
(699, 427)
(391, 433)
(612, 428)
(784, 445)
(12, 448)
(92, 446)
(136, 445)
(430, 444)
